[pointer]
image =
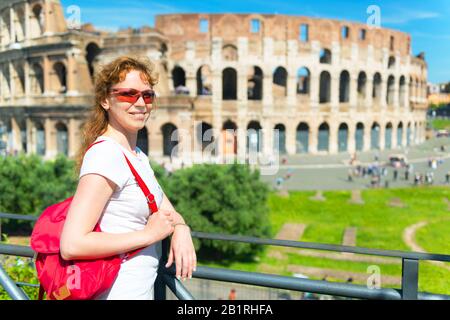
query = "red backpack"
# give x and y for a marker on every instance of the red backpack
(75, 279)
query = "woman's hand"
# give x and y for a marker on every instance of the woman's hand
(159, 226)
(183, 252)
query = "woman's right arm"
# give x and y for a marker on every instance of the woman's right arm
(78, 241)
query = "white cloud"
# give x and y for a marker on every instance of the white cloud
(405, 16)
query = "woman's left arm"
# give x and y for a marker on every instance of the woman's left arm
(182, 249)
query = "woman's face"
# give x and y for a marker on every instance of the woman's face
(126, 115)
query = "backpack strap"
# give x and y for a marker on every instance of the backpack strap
(148, 195)
(93, 145)
(41, 292)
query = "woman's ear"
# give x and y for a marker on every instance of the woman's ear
(105, 104)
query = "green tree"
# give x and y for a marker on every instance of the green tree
(226, 199)
(28, 184)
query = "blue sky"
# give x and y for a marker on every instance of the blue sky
(428, 22)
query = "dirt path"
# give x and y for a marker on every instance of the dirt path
(409, 238)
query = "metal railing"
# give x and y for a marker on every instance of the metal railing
(166, 278)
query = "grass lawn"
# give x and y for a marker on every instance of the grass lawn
(379, 226)
(440, 124)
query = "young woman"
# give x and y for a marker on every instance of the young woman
(108, 193)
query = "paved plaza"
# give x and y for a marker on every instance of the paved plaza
(330, 172)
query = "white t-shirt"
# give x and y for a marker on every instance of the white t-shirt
(127, 210)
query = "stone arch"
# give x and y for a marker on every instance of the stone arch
(19, 79)
(204, 134)
(376, 91)
(345, 32)
(388, 136)
(40, 138)
(179, 80)
(343, 137)
(325, 56)
(400, 134)
(411, 87)
(344, 86)
(92, 51)
(254, 137)
(22, 126)
(362, 86)
(279, 84)
(359, 137)
(229, 84)
(230, 52)
(415, 132)
(408, 134)
(37, 78)
(19, 26)
(5, 27)
(402, 91)
(6, 86)
(325, 87)
(62, 138)
(390, 90)
(303, 80)
(170, 139)
(255, 83)
(302, 138)
(323, 141)
(229, 138)
(60, 77)
(204, 85)
(375, 136)
(416, 88)
(37, 21)
(279, 138)
(391, 62)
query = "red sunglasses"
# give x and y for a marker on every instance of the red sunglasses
(132, 95)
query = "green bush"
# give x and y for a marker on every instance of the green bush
(226, 199)
(28, 185)
(21, 270)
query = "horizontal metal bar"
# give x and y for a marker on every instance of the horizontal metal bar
(10, 286)
(296, 244)
(303, 285)
(25, 284)
(16, 250)
(17, 216)
(268, 280)
(178, 289)
(322, 246)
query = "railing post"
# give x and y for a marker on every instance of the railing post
(410, 279)
(160, 285)
(11, 287)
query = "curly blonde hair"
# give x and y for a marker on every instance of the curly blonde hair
(109, 75)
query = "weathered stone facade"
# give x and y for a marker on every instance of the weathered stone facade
(327, 86)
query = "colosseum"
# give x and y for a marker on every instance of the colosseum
(229, 83)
